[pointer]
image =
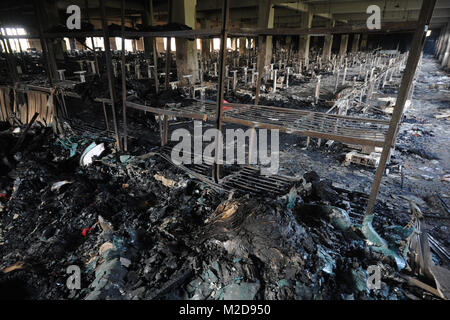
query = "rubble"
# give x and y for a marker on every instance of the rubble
(152, 240)
(93, 187)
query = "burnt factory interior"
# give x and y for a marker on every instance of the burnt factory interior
(224, 150)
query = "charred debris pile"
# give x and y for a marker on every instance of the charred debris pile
(140, 228)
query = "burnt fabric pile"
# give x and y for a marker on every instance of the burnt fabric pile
(139, 228)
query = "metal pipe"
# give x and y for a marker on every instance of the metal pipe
(220, 89)
(109, 70)
(124, 76)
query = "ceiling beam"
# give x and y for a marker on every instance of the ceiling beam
(340, 7)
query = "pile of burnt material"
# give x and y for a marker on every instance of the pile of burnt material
(132, 226)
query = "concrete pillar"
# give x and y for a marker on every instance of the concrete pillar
(443, 48)
(355, 43)
(445, 36)
(288, 47)
(439, 42)
(159, 45)
(364, 41)
(52, 19)
(448, 66)
(140, 45)
(328, 43)
(72, 44)
(205, 43)
(112, 43)
(442, 35)
(266, 14)
(147, 20)
(446, 55)
(344, 44)
(186, 50)
(242, 46)
(234, 44)
(304, 40)
(288, 41)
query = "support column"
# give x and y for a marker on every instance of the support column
(49, 57)
(112, 43)
(288, 48)
(242, 46)
(446, 55)
(328, 43)
(344, 45)
(304, 40)
(49, 17)
(448, 66)
(355, 43)
(206, 43)
(72, 43)
(364, 41)
(86, 10)
(264, 10)
(266, 13)
(445, 40)
(149, 42)
(234, 44)
(186, 51)
(159, 45)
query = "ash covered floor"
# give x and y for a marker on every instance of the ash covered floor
(140, 228)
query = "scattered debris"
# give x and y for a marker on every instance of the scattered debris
(167, 182)
(16, 266)
(93, 150)
(368, 160)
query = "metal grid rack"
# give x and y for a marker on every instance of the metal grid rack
(346, 129)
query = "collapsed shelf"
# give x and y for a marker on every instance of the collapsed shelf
(363, 131)
(345, 129)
